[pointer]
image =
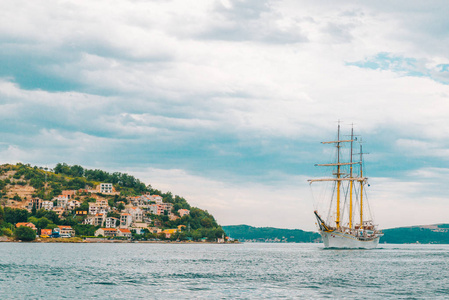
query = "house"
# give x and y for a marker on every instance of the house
(169, 232)
(69, 194)
(58, 210)
(136, 213)
(125, 220)
(166, 207)
(47, 205)
(110, 222)
(34, 202)
(183, 212)
(124, 232)
(26, 224)
(100, 206)
(72, 204)
(106, 188)
(66, 231)
(96, 220)
(46, 232)
(157, 199)
(61, 201)
(106, 232)
(155, 209)
(37, 202)
(93, 208)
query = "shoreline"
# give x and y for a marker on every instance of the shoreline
(76, 240)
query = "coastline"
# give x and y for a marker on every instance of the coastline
(77, 240)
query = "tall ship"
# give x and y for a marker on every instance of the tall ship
(343, 216)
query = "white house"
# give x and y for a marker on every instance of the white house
(125, 220)
(106, 188)
(136, 214)
(72, 204)
(47, 205)
(110, 222)
(61, 201)
(106, 232)
(124, 232)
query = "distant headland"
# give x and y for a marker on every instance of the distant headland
(423, 234)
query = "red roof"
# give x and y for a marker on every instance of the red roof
(65, 227)
(124, 230)
(28, 224)
(108, 229)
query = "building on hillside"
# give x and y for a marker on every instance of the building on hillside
(61, 201)
(47, 205)
(167, 207)
(125, 220)
(72, 204)
(106, 232)
(136, 213)
(157, 199)
(96, 220)
(155, 209)
(26, 224)
(183, 212)
(34, 202)
(58, 210)
(124, 232)
(111, 222)
(37, 202)
(69, 194)
(99, 207)
(66, 231)
(106, 188)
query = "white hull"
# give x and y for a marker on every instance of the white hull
(341, 240)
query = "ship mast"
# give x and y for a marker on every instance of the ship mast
(361, 188)
(351, 182)
(337, 221)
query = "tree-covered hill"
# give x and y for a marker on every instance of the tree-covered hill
(269, 234)
(432, 234)
(429, 234)
(22, 184)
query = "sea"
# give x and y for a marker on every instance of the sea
(221, 271)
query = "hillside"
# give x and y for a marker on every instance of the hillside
(425, 234)
(268, 234)
(91, 199)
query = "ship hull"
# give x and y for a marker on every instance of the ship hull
(340, 240)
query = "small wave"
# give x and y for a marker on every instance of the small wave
(104, 283)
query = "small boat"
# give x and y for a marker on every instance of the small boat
(348, 222)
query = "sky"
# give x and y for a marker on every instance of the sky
(226, 102)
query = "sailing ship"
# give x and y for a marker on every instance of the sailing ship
(349, 223)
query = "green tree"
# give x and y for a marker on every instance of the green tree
(25, 234)
(6, 231)
(120, 206)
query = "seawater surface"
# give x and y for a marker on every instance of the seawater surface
(213, 271)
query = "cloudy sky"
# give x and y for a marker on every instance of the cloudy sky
(225, 102)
